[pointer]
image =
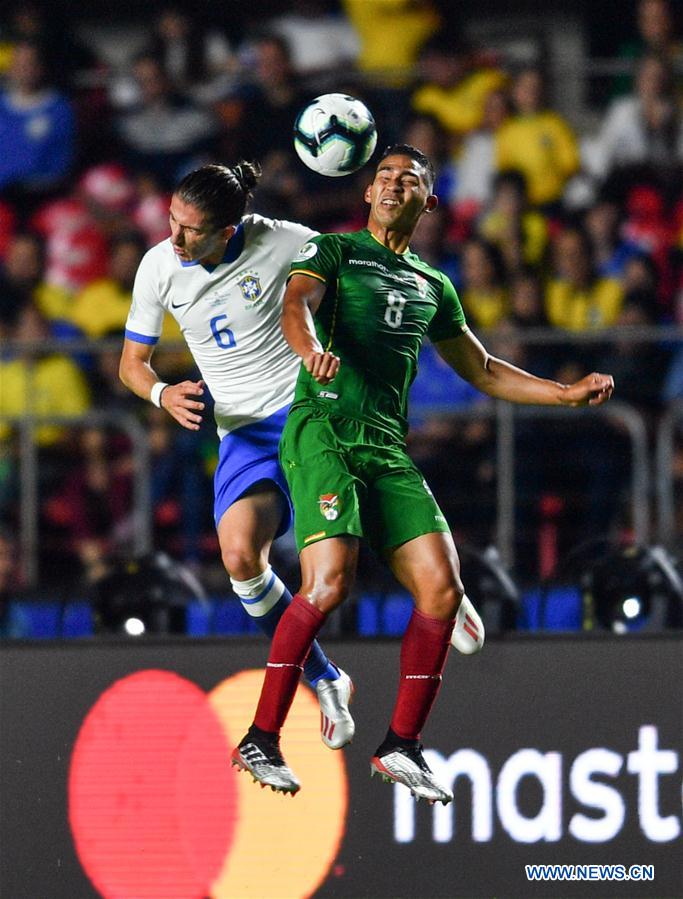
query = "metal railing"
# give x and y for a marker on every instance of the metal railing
(664, 454)
(29, 504)
(505, 415)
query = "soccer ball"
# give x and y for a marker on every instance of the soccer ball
(335, 135)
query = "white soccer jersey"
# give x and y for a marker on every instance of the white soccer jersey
(229, 315)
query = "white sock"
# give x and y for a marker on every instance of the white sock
(259, 594)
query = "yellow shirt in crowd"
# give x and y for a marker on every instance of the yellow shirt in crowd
(460, 108)
(102, 307)
(52, 385)
(391, 34)
(485, 307)
(574, 309)
(543, 147)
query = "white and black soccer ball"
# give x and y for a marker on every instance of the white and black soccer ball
(335, 135)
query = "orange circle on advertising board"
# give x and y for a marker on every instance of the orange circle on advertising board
(157, 812)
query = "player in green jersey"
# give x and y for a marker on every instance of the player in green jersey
(356, 310)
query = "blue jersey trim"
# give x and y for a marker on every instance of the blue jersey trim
(235, 245)
(233, 249)
(141, 338)
(251, 601)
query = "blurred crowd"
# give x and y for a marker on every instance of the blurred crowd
(543, 222)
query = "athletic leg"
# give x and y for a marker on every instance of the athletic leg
(246, 532)
(327, 568)
(428, 567)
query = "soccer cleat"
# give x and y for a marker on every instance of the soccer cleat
(406, 765)
(468, 632)
(263, 760)
(336, 724)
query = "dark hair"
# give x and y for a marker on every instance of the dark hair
(514, 178)
(220, 191)
(407, 150)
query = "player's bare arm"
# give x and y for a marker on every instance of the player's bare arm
(301, 301)
(468, 357)
(179, 400)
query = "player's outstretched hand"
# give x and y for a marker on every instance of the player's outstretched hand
(322, 366)
(593, 390)
(180, 401)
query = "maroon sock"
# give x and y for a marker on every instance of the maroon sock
(423, 654)
(292, 641)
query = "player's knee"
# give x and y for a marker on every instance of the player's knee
(328, 592)
(441, 600)
(242, 562)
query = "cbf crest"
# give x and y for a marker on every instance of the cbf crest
(250, 285)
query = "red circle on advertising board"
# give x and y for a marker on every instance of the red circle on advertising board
(152, 796)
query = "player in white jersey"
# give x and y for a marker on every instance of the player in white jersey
(221, 274)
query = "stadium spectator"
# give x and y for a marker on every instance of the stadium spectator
(577, 297)
(271, 95)
(611, 251)
(390, 64)
(40, 382)
(78, 227)
(537, 142)
(483, 292)
(89, 516)
(165, 134)
(24, 268)
(150, 209)
(638, 366)
(477, 159)
(180, 490)
(37, 129)
(103, 304)
(197, 60)
(65, 54)
(520, 233)
(656, 35)
(425, 132)
(648, 224)
(455, 84)
(643, 129)
(322, 43)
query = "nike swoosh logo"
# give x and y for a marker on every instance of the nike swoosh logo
(179, 305)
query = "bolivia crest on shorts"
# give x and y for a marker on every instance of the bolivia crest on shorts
(250, 285)
(329, 506)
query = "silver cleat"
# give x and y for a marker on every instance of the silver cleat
(336, 724)
(266, 766)
(406, 765)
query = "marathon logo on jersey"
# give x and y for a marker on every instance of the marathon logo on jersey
(329, 506)
(308, 251)
(250, 285)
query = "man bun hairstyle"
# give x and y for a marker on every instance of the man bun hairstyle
(422, 160)
(221, 192)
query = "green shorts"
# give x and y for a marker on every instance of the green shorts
(347, 477)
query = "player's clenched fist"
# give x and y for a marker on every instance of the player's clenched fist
(181, 401)
(322, 366)
(593, 390)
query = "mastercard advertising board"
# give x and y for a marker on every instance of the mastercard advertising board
(115, 779)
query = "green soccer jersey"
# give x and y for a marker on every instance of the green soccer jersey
(376, 311)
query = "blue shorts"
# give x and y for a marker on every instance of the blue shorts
(246, 456)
